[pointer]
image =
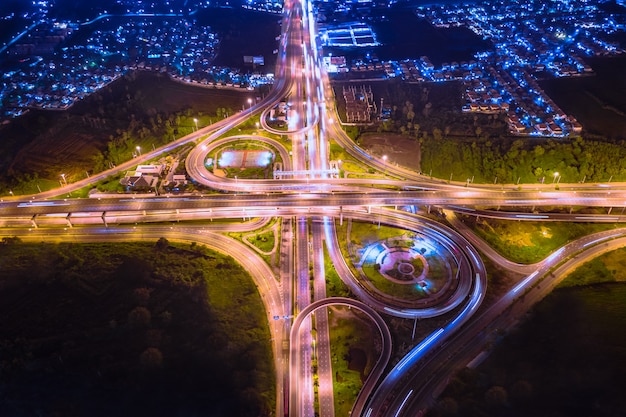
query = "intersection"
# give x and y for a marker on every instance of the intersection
(309, 201)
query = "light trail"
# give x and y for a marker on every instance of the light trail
(403, 403)
(414, 355)
(524, 282)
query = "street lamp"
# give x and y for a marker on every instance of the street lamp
(257, 125)
(138, 150)
(196, 122)
(250, 102)
(64, 180)
(385, 162)
(556, 174)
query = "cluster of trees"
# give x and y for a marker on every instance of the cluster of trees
(524, 160)
(566, 360)
(418, 110)
(162, 329)
(104, 129)
(478, 147)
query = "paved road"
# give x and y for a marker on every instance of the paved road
(305, 202)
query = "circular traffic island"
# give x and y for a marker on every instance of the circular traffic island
(407, 268)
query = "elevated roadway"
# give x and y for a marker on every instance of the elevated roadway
(409, 386)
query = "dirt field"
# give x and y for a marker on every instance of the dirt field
(399, 149)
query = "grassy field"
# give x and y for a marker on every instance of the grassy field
(353, 353)
(131, 329)
(264, 240)
(404, 292)
(334, 285)
(529, 242)
(364, 234)
(610, 267)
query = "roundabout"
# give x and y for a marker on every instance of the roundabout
(403, 266)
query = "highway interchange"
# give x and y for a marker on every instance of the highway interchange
(310, 201)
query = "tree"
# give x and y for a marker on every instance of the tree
(151, 358)
(416, 130)
(142, 295)
(448, 406)
(166, 317)
(496, 396)
(162, 244)
(437, 134)
(139, 317)
(426, 109)
(539, 150)
(522, 391)
(11, 240)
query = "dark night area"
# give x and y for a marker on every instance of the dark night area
(565, 360)
(598, 101)
(243, 33)
(404, 35)
(128, 330)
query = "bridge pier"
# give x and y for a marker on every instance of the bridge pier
(33, 221)
(68, 220)
(104, 219)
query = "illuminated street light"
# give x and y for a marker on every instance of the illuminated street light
(250, 102)
(138, 150)
(556, 174)
(64, 180)
(196, 122)
(385, 162)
